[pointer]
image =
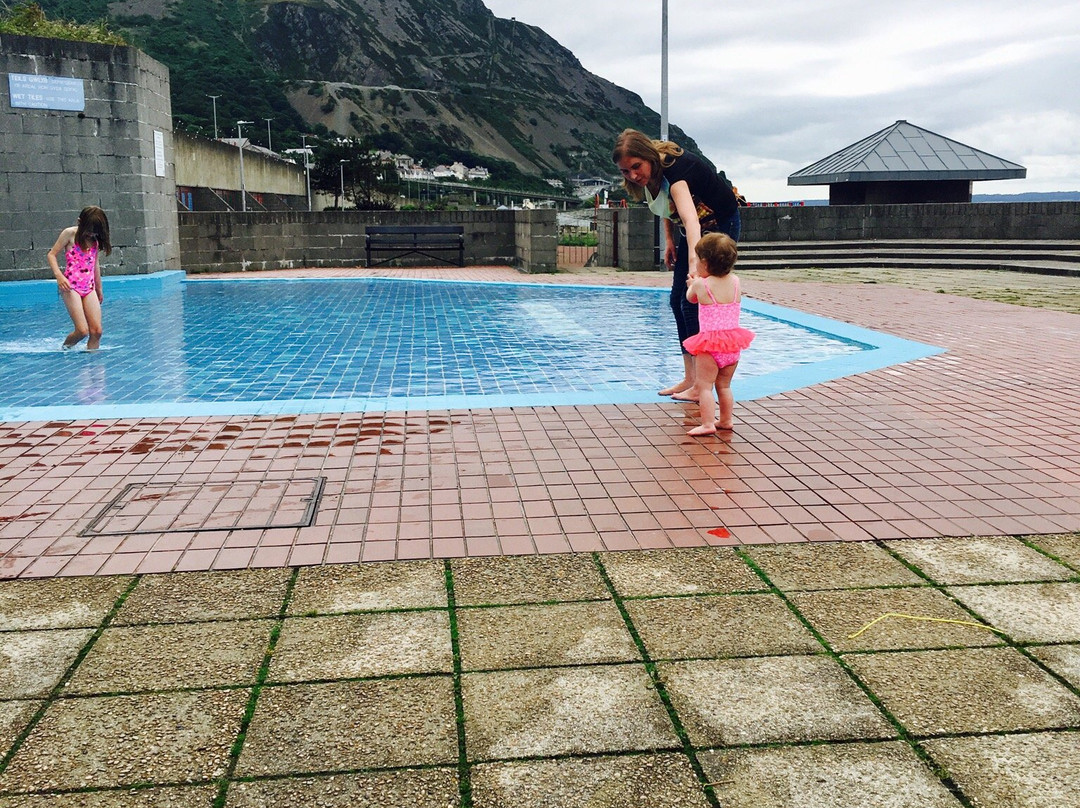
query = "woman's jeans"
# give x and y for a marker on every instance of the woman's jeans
(686, 313)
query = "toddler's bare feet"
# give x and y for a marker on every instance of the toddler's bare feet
(701, 431)
(727, 427)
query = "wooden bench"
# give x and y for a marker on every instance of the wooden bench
(419, 239)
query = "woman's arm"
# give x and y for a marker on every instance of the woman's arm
(671, 243)
(64, 239)
(684, 205)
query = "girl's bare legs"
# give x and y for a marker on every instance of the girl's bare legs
(727, 400)
(706, 378)
(92, 309)
(74, 305)
(687, 381)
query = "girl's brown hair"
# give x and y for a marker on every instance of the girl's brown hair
(658, 153)
(93, 227)
(717, 252)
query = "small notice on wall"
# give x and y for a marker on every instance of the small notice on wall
(159, 152)
(46, 92)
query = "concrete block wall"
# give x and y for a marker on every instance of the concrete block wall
(979, 220)
(55, 162)
(625, 238)
(241, 242)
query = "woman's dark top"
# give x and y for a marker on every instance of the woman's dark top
(713, 198)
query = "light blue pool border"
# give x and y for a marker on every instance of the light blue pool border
(884, 350)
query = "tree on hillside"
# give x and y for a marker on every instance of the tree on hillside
(354, 164)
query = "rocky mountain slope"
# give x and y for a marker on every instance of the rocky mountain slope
(415, 75)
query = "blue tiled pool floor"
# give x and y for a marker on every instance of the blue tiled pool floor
(272, 346)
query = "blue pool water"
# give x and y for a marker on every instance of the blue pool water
(275, 346)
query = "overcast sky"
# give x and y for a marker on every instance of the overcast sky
(770, 86)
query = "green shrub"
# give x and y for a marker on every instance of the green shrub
(28, 19)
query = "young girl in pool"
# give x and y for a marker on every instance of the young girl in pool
(80, 282)
(716, 347)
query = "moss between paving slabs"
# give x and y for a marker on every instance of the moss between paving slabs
(551, 634)
(14, 716)
(1013, 771)
(32, 662)
(563, 711)
(120, 740)
(719, 625)
(354, 645)
(696, 571)
(835, 565)
(301, 729)
(1028, 612)
(1066, 547)
(980, 560)
(58, 602)
(526, 579)
(178, 597)
(882, 775)
(369, 587)
(632, 781)
(1064, 660)
(770, 700)
(428, 788)
(967, 690)
(838, 615)
(169, 797)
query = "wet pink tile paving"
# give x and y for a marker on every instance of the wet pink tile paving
(981, 440)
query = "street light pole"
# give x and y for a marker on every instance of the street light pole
(307, 170)
(214, 98)
(269, 142)
(664, 73)
(240, 144)
(341, 166)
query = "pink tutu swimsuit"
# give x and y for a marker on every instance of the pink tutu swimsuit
(720, 334)
(80, 268)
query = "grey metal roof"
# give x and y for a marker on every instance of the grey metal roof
(904, 151)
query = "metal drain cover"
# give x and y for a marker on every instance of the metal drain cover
(182, 507)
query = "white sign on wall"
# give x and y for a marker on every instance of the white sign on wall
(159, 153)
(46, 92)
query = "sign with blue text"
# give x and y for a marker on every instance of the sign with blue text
(46, 92)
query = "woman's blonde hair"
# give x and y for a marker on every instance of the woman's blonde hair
(717, 252)
(657, 153)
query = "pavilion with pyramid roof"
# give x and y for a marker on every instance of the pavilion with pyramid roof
(904, 163)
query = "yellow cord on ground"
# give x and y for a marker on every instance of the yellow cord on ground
(928, 619)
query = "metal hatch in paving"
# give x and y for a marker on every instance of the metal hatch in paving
(176, 507)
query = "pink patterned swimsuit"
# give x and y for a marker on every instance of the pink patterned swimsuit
(720, 334)
(80, 268)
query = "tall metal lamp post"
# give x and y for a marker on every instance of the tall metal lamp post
(664, 73)
(307, 170)
(214, 99)
(341, 166)
(269, 142)
(240, 144)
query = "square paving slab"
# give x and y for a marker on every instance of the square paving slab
(864, 775)
(563, 711)
(1064, 660)
(426, 788)
(58, 602)
(369, 587)
(354, 645)
(967, 690)
(980, 560)
(1065, 546)
(839, 614)
(1040, 770)
(128, 659)
(525, 579)
(630, 781)
(163, 797)
(338, 726)
(33, 662)
(123, 740)
(831, 565)
(770, 700)
(544, 635)
(692, 571)
(1028, 612)
(719, 625)
(188, 596)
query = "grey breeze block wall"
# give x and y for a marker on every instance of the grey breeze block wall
(55, 162)
(232, 241)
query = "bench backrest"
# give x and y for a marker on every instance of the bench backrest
(397, 230)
